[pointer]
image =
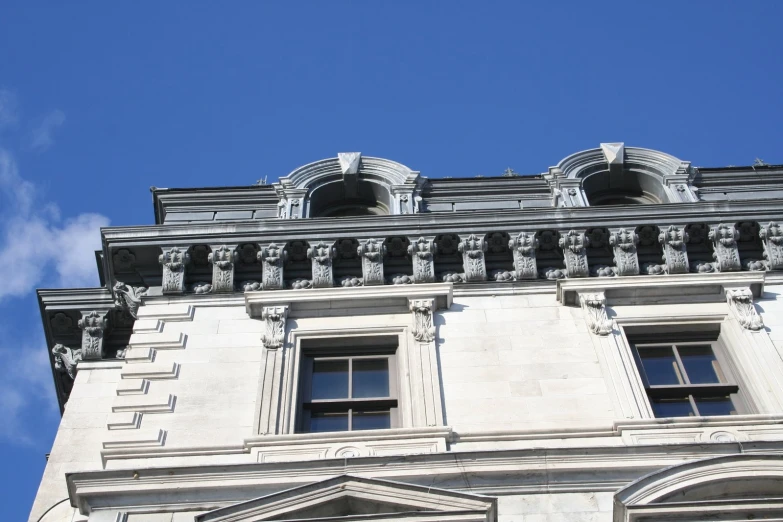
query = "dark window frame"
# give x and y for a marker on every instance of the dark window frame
(351, 406)
(727, 386)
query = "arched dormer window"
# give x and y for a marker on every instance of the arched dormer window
(347, 186)
(617, 175)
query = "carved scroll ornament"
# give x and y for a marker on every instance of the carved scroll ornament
(128, 298)
(523, 248)
(725, 251)
(574, 245)
(372, 253)
(422, 252)
(174, 261)
(772, 236)
(673, 240)
(472, 249)
(594, 307)
(623, 244)
(273, 258)
(423, 328)
(93, 325)
(223, 259)
(274, 332)
(322, 254)
(66, 359)
(740, 301)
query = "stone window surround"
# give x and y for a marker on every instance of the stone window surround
(678, 301)
(396, 317)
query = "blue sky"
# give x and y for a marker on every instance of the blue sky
(101, 100)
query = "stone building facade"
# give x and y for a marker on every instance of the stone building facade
(600, 342)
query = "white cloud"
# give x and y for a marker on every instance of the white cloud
(9, 109)
(37, 248)
(41, 137)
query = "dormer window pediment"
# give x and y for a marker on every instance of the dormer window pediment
(356, 498)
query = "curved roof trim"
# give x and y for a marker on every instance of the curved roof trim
(579, 164)
(388, 171)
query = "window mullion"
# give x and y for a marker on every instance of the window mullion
(693, 405)
(681, 366)
(350, 377)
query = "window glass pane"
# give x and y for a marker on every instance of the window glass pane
(328, 421)
(680, 407)
(699, 363)
(371, 420)
(330, 379)
(660, 365)
(370, 378)
(715, 406)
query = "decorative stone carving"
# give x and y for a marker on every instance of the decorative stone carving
(128, 298)
(772, 237)
(422, 252)
(202, 287)
(472, 249)
(614, 153)
(250, 286)
(740, 302)
(453, 277)
(574, 245)
(497, 242)
(124, 260)
(274, 318)
(372, 253)
(594, 307)
(623, 244)
(754, 265)
(401, 279)
(673, 240)
(702, 267)
(61, 323)
(66, 359)
(552, 273)
(350, 281)
(349, 162)
(653, 269)
(322, 254)
(222, 259)
(523, 248)
(273, 258)
(301, 284)
(602, 271)
(247, 254)
(724, 242)
(502, 276)
(93, 325)
(173, 261)
(423, 329)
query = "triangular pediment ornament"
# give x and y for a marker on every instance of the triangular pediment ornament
(614, 153)
(358, 498)
(349, 161)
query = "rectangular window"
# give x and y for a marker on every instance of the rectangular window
(348, 390)
(686, 378)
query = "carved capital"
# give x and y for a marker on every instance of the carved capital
(372, 253)
(740, 301)
(472, 249)
(274, 318)
(223, 258)
(772, 236)
(273, 258)
(574, 245)
(623, 244)
(128, 298)
(523, 248)
(173, 260)
(93, 325)
(673, 239)
(66, 359)
(322, 254)
(594, 307)
(422, 252)
(423, 328)
(725, 252)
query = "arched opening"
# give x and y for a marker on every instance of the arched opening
(339, 199)
(622, 187)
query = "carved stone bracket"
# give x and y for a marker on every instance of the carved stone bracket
(725, 252)
(740, 301)
(274, 332)
(472, 249)
(772, 236)
(272, 257)
(66, 359)
(223, 258)
(93, 325)
(422, 252)
(594, 307)
(675, 256)
(174, 262)
(423, 328)
(524, 247)
(128, 298)
(322, 254)
(372, 253)
(623, 244)
(574, 245)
